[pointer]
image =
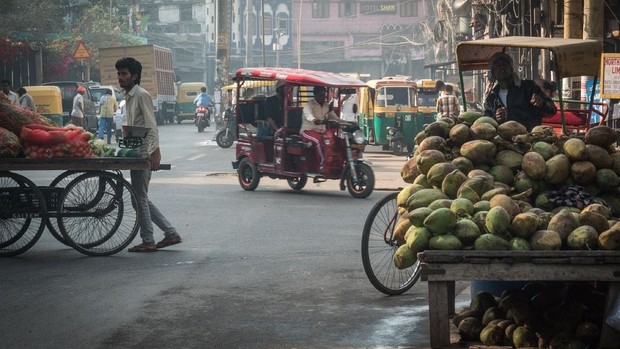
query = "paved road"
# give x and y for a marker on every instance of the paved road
(273, 268)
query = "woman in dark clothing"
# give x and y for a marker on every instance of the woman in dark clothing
(514, 99)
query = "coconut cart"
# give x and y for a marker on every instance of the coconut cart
(89, 206)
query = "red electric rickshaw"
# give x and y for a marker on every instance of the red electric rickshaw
(284, 155)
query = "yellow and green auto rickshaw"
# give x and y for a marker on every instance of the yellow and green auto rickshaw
(186, 93)
(388, 113)
(427, 98)
(48, 100)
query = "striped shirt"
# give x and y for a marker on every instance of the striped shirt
(448, 105)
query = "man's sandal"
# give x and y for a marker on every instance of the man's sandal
(144, 248)
(169, 241)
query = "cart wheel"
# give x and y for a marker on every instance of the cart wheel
(378, 250)
(23, 214)
(297, 183)
(248, 175)
(97, 213)
(365, 181)
(61, 182)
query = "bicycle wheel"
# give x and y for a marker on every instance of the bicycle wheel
(378, 250)
(97, 213)
(60, 182)
(22, 214)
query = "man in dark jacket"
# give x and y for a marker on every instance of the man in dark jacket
(514, 99)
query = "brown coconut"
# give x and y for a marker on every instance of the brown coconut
(460, 134)
(479, 151)
(409, 171)
(507, 203)
(433, 142)
(545, 149)
(575, 149)
(595, 220)
(533, 164)
(603, 136)
(483, 130)
(478, 172)
(509, 129)
(599, 156)
(437, 128)
(557, 169)
(524, 225)
(463, 164)
(563, 223)
(427, 158)
(583, 172)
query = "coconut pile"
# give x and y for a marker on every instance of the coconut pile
(476, 184)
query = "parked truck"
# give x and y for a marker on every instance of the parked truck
(157, 75)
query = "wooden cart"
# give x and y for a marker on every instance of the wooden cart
(442, 268)
(89, 206)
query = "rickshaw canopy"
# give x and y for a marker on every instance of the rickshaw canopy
(250, 84)
(397, 80)
(572, 57)
(299, 77)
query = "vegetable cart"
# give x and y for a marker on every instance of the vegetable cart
(89, 206)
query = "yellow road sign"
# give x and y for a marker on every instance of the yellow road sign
(81, 52)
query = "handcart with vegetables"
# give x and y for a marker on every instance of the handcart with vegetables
(89, 206)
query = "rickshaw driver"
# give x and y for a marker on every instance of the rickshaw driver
(315, 113)
(515, 99)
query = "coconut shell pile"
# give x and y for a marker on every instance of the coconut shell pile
(477, 184)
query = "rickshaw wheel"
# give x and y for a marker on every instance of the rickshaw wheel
(297, 183)
(21, 222)
(365, 181)
(248, 175)
(378, 248)
(224, 140)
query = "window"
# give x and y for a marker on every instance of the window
(320, 9)
(347, 8)
(282, 22)
(409, 8)
(185, 13)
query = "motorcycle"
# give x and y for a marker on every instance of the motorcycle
(203, 114)
(227, 134)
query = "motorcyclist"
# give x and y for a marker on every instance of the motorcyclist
(203, 99)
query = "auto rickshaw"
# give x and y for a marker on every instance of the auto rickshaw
(569, 58)
(388, 113)
(186, 93)
(427, 98)
(48, 100)
(284, 155)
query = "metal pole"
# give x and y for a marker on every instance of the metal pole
(301, 2)
(262, 28)
(248, 33)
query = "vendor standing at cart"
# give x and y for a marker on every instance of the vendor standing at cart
(139, 109)
(514, 99)
(315, 113)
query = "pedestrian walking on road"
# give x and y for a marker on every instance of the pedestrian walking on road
(139, 109)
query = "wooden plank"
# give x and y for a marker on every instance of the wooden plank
(461, 256)
(438, 311)
(520, 272)
(77, 164)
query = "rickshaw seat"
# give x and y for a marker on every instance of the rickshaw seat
(294, 144)
(293, 119)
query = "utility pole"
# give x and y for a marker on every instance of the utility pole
(573, 15)
(593, 11)
(248, 33)
(223, 38)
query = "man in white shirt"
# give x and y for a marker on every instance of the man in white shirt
(346, 112)
(6, 91)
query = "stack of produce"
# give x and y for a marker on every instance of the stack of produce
(55, 142)
(479, 185)
(539, 315)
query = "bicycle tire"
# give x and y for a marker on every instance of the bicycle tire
(110, 219)
(21, 223)
(378, 250)
(60, 181)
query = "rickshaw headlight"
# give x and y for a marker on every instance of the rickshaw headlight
(358, 137)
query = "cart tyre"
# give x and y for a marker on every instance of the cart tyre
(378, 250)
(111, 216)
(61, 180)
(27, 230)
(248, 174)
(397, 147)
(297, 183)
(365, 181)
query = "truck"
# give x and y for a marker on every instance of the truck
(157, 75)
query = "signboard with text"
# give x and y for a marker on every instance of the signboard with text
(378, 8)
(610, 75)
